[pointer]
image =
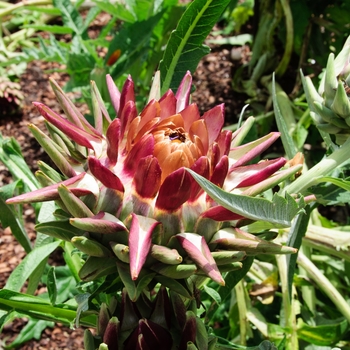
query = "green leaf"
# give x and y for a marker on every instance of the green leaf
(132, 40)
(59, 229)
(279, 211)
(213, 293)
(32, 330)
(344, 184)
(10, 218)
(185, 47)
(55, 29)
(231, 279)
(174, 285)
(28, 265)
(295, 236)
(70, 16)
(281, 118)
(331, 190)
(52, 285)
(10, 155)
(116, 9)
(324, 334)
(39, 308)
(83, 305)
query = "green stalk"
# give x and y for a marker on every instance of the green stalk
(308, 292)
(72, 260)
(40, 309)
(325, 248)
(280, 70)
(8, 10)
(324, 167)
(242, 311)
(325, 285)
(289, 315)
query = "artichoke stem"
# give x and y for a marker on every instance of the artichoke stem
(328, 164)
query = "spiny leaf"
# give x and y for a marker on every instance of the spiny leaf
(279, 211)
(185, 47)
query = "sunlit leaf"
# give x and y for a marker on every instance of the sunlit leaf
(28, 265)
(279, 211)
(185, 47)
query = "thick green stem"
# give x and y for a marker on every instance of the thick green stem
(72, 260)
(325, 285)
(308, 292)
(289, 315)
(324, 167)
(242, 310)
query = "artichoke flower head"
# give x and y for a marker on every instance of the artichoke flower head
(125, 193)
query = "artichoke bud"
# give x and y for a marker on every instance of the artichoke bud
(90, 247)
(121, 251)
(189, 331)
(110, 337)
(341, 104)
(166, 255)
(49, 172)
(74, 204)
(89, 340)
(103, 319)
(223, 257)
(236, 239)
(231, 267)
(175, 271)
(330, 108)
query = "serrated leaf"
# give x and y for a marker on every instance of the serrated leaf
(83, 305)
(185, 47)
(336, 192)
(70, 16)
(279, 211)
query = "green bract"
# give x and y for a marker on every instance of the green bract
(330, 106)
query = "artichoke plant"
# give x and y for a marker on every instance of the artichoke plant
(330, 105)
(127, 201)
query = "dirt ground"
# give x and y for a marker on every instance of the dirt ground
(213, 86)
